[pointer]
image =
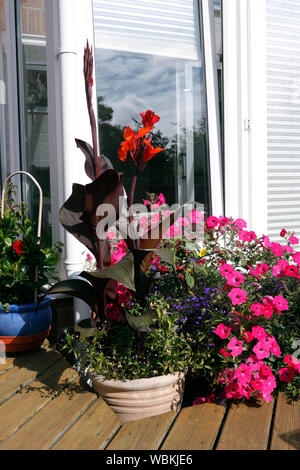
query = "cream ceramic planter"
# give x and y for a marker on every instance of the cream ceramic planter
(140, 398)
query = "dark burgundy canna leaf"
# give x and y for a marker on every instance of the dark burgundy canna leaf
(78, 214)
(76, 288)
(88, 151)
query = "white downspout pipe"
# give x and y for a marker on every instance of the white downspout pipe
(67, 56)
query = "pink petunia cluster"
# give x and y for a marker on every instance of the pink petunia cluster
(250, 379)
(234, 278)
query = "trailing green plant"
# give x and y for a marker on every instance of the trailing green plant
(118, 351)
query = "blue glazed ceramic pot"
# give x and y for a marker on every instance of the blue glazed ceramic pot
(25, 326)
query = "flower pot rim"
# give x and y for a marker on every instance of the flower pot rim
(28, 307)
(135, 382)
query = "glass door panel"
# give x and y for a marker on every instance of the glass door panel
(150, 56)
(33, 103)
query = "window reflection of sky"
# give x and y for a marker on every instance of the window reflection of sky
(132, 83)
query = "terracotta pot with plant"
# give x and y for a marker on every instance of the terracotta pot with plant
(132, 345)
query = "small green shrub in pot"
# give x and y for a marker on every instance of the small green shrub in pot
(21, 254)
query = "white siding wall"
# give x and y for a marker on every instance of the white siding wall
(283, 115)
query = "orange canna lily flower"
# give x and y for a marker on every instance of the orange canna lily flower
(150, 151)
(149, 118)
(140, 148)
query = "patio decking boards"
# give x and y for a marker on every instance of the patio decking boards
(45, 405)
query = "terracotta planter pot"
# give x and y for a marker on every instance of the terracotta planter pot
(140, 398)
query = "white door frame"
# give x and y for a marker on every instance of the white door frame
(245, 123)
(212, 96)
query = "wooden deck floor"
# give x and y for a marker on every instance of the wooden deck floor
(44, 405)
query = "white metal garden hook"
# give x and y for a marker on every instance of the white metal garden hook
(39, 230)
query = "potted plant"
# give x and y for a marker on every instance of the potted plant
(132, 345)
(26, 269)
(243, 317)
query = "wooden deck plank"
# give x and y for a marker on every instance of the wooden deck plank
(195, 428)
(286, 425)
(9, 362)
(12, 359)
(92, 431)
(143, 434)
(26, 370)
(25, 404)
(53, 420)
(247, 427)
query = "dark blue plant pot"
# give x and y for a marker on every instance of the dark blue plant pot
(25, 326)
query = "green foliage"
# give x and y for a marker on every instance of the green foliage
(120, 352)
(20, 254)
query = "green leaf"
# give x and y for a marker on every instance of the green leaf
(190, 281)
(7, 241)
(141, 323)
(122, 272)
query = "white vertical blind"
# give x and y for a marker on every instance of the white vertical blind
(160, 27)
(283, 78)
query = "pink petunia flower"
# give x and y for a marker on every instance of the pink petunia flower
(286, 374)
(224, 221)
(265, 371)
(269, 384)
(277, 249)
(262, 268)
(226, 269)
(245, 390)
(293, 240)
(280, 303)
(296, 258)
(268, 341)
(254, 362)
(212, 221)
(243, 374)
(257, 384)
(292, 271)
(261, 350)
(292, 361)
(258, 332)
(279, 269)
(250, 236)
(235, 346)
(235, 279)
(237, 296)
(257, 309)
(222, 331)
(266, 396)
(268, 300)
(232, 390)
(266, 241)
(275, 349)
(288, 248)
(240, 223)
(268, 311)
(161, 199)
